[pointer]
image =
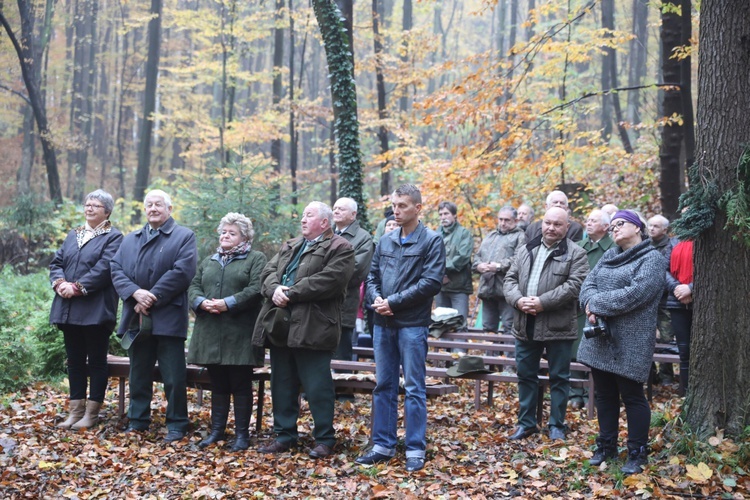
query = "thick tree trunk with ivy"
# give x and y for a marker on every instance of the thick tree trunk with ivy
(719, 388)
(344, 100)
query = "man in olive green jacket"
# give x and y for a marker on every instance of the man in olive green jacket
(596, 242)
(543, 284)
(308, 277)
(459, 245)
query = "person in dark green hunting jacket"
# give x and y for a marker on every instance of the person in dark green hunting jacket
(459, 245)
(225, 296)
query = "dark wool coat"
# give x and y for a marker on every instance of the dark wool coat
(361, 240)
(89, 266)
(164, 265)
(559, 284)
(317, 294)
(624, 288)
(226, 338)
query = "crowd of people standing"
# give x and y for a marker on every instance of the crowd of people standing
(594, 293)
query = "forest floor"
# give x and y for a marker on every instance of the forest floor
(468, 457)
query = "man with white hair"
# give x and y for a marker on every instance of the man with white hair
(304, 285)
(610, 209)
(151, 272)
(658, 230)
(347, 226)
(556, 199)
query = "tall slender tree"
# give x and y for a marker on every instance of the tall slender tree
(149, 105)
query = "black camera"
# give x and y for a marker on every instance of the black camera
(596, 330)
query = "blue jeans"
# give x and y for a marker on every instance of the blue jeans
(395, 347)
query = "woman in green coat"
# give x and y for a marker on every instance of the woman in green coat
(225, 296)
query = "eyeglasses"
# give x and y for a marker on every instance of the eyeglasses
(616, 225)
(92, 206)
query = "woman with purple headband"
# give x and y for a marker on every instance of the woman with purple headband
(621, 297)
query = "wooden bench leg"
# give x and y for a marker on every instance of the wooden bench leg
(121, 398)
(200, 397)
(477, 394)
(259, 411)
(490, 393)
(590, 404)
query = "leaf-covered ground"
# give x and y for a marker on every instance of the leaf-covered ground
(468, 457)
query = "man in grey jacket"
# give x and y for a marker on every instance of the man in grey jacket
(347, 226)
(543, 285)
(151, 272)
(492, 261)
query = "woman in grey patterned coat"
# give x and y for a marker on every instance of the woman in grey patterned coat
(624, 290)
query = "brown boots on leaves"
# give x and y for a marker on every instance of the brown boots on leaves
(82, 414)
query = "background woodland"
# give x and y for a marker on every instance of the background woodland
(227, 105)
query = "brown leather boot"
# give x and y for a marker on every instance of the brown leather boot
(76, 409)
(90, 419)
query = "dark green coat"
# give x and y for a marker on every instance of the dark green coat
(363, 250)
(226, 338)
(459, 245)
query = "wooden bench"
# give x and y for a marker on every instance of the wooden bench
(197, 378)
(363, 380)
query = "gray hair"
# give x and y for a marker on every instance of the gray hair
(244, 224)
(161, 194)
(605, 218)
(104, 197)
(660, 218)
(557, 191)
(508, 208)
(349, 202)
(411, 191)
(324, 211)
(531, 209)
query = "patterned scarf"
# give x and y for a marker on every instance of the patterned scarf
(227, 255)
(83, 236)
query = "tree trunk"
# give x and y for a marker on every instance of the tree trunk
(149, 105)
(406, 26)
(293, 136)
(686, 88)
(608, 23)
(344, 100)
(638, 53)
(277, 89)
(23, 177)
(385, 175)
(719, 392)
(670, 182)
(32, 79)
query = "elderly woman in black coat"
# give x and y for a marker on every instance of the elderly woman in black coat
(225, 295)
(85, 306)
(623, 289)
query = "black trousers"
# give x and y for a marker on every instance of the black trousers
(609, 389)
(231, 379)
(86, 348)
(682, 326)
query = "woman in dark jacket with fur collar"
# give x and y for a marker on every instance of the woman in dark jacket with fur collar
(225, 295)
(624, 290)
(85, 306)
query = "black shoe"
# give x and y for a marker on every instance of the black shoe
(522, 433)
(321, 451)
(605, 450)
(637, 460)
(174, 436)
(414, 464)
(371, 458)
(133, 430)
(275, 447)
(557, 434)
